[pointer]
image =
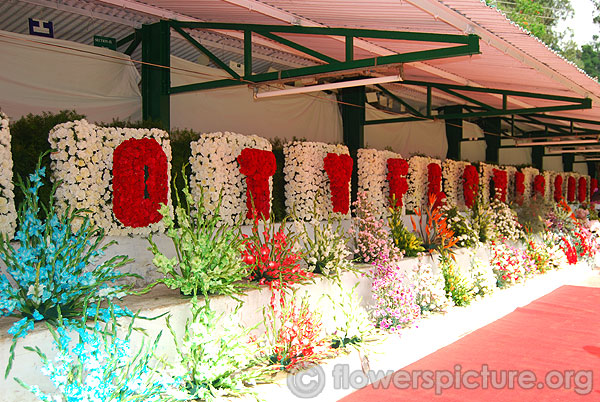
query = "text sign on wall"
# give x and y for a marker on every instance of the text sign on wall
(41, 28)
(105, 41)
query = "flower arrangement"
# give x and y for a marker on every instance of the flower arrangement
(216, 357)
(435, 233)
(258, 166)
(538, 253)
(519, 187)
(325, 247)
(470, 185)
(104, 367)
(593, 186)
(90, 178)
(351, 326)
(486, 173)
(305, 177)
(50, 275)
(434, 175)
(453, 173)
(549, 177)
(395, 300)
(481, 279)
(504, 222)
(377, 178)
(207, 254)
(429, 289)
(418, 181)
(270, 256)
(510, 185)
(339, 171)
(558, 191)
(569, 250)
(457, 287)
(582, 190)
(397, 171)
(8, 213)
(216, 173)
(539, 184)
(405, 242)
(461, 224)
(586, 243)
(510, 264)
(500, 184)
(571, 184)
(295, 333)
(371, 240)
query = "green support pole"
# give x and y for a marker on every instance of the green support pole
(568, 162)
(353, 119)
(454, 132)
(537, 152)
(156, 81)
(591, 169)
(492, 129)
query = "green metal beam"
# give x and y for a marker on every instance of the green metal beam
(126, 39)
(207, 52)
(349, 48)
(394, 120)
(156, 73)
(247, 54)
(299, 47)
(472, 40)
(135, 43)
(400, 100)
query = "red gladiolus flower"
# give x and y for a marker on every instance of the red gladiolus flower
(339, 171)
(257, 165)
(397, 171)
(470, 185)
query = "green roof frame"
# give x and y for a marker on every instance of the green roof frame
(459, 45)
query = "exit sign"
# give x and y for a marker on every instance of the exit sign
(105, 41)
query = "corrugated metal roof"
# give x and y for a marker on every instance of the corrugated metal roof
(510, 57)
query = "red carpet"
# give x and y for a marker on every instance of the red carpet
(558, 334)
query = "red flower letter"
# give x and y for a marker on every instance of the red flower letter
(519, 187)
(500, 184)
(470, 185)
(140, 182)
(339, 170)
(257, 165)
(571, 189)
(582, 189)
(397, 171)
(558, 188)
(539, 182)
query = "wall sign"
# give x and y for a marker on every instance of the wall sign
(41, 28)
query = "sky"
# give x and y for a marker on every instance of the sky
(581, 23)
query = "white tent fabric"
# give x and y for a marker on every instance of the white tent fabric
(43, 74)
(554, 163)
(315, 117)
(472, 151)
(418, 137)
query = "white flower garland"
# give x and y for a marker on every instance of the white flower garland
(452, 172)
(83, 163)
(8, 213)
(372, 178)
(305, 177)
(549, 177)
(215, 171)
(510, 183)
(529, 173)
(418, 181)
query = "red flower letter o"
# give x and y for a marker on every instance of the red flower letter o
(140, 182)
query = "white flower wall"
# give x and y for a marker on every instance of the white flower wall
(215, 171)
(452, 172)
(305, 177)
(372, 178)
(8, 214)
(416, 196)
(83, 163)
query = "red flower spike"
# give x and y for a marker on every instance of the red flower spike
(339, 171)
(140, 182)
(257, 165)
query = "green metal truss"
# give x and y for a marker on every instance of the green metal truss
(486, 110)
(457, 45)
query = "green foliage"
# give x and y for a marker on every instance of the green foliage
(480, 220)
(590, 57)
(403, 239)
(456, 286)
(29, 140)
(352, 327)
(460, 223)
(208, 259)
(217, 356)
(532, 214)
